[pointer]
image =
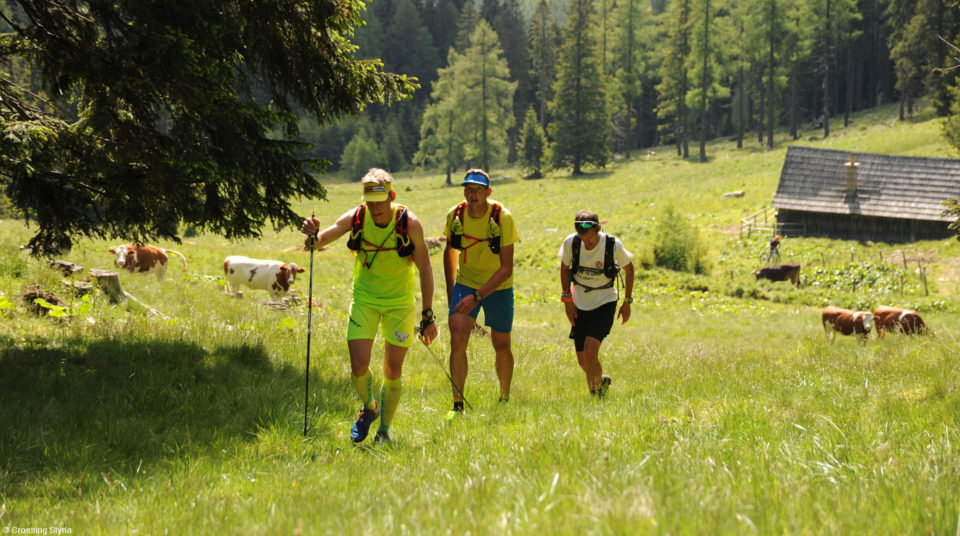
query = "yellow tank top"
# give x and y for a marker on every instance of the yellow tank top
(381, 277)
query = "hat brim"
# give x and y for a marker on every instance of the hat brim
(376, 197)
(469, 181)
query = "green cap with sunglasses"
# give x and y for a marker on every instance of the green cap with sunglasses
(582, 226)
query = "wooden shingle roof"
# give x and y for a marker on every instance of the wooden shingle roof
(888, 186)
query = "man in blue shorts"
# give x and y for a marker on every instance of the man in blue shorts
(478, 269)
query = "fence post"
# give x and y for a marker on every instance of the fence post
(922, 272)
(901, 285)
(904, 259)
(880, 251)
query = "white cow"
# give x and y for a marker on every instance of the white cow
(272, 276)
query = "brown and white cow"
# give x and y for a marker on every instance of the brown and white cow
(272, 276)
(144, 259)
(780, 272)
(905, 321)
(847, 322)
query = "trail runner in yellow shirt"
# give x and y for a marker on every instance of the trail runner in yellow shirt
(388, 242)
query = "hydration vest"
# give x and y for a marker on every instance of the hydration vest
(610, 267)
(403, 246)
(456, 238)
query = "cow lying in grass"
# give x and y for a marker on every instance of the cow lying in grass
(780, 272)
(144, 259)
(272, 276)
(905, 321)
(846, 322)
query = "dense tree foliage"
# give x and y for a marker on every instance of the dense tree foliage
(532, 149)
(667, 71)
(472, 108)
(185, 112)
(581, 127)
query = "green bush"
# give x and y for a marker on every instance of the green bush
(361, 154)
(678, 245)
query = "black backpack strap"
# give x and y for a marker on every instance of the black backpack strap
(401, 229)
(355, 241)
(493, 242)
(456, 239)
(575, 267)
(610, 268)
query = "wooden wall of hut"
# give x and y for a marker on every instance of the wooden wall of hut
(854, 227)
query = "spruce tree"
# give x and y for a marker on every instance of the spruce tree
(627, 69)
(186, 113)
(581, 127)
(544, 37)
(674, 81)
(531, 151)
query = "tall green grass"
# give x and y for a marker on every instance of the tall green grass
(727, 414)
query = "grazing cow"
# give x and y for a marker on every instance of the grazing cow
(906, 321)
(780, 272)
(847, 322)
(144, 259)
(272, 276)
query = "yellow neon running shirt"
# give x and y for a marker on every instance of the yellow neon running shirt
(477, 263)
(389, 281)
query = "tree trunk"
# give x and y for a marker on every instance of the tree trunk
(826, 75)
(770, 84)
(761, 108)
(794, 74)
(740, 97)
(846, 111)
(703, 81)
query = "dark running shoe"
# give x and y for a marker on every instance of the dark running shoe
(382, 437)
(362, 426)
(605, 384)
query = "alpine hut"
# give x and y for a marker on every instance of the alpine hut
(865, 196)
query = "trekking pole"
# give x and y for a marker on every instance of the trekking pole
(445, 373)
(306, 395)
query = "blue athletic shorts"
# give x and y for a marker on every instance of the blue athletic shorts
(497, 307)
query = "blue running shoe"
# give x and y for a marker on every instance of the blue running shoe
(362, 426)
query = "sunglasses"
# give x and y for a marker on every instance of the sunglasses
(585, 225)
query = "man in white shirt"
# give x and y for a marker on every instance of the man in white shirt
(590, 261)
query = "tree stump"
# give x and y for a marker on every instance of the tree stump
(67, 267)
(109, 282)
(79, 288)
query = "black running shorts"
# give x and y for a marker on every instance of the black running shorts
(595, 323)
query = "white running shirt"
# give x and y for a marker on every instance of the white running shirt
(592, 259)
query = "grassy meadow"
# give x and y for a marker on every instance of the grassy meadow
(729, 411)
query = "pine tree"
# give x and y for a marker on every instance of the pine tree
(544, 37)
(674, 84)
(913, 48)
(531, 151)
(581, 129)
(513, 40)
(441, 141)
(628, 67)
(469, 16)
(172, 122)
(472, 106)
(486, 97)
